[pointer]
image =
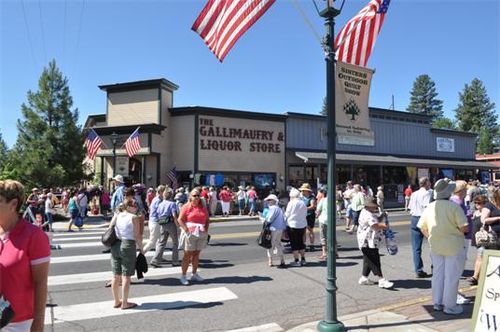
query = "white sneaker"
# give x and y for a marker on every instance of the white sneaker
(184, 280)
(462, 299)
(196, 277)
(384, 283)
(365, 281)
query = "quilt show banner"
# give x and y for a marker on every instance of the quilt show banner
(352, 86)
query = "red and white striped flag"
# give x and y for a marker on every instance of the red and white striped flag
(222, 22)
(132, 144)
(93, 143)
(355, 41)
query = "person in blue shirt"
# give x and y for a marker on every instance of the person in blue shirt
(119, 193)
(276, 222)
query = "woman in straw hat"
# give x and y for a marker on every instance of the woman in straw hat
(443, 223)
(310, 202)
(370, 234)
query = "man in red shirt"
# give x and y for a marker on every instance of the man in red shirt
(24, 261)
(408, 193)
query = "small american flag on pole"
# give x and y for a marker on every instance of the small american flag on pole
(172, 177)
(222, 22)
(356, 40)
(93, 143)
(132, 144)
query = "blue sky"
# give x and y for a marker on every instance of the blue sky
(277, 66)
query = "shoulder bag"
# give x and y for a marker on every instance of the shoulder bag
(165, 220)
(264, 239)
(486, 238)
(109, 237)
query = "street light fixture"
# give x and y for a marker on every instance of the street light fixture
(330, 323)
(113, 141)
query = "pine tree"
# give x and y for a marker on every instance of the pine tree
(444, 123)
(475, 110)
(3, 152)
(485, 143)
(324, 110)
(49, 150)
(423, 98)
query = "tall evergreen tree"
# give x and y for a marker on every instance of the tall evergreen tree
(324, 110)
(475, 111)
(485, 143)
(423, 99)
(49, 150)
(3, 152)
(444, 123)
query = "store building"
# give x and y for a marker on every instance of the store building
(219, 146)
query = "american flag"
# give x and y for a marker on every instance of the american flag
(222, 22)
(355, 41)
(93, 143)
(172, 177)
(132, 144)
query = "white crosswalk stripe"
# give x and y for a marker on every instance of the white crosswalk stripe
(85, 256)
(156, 302)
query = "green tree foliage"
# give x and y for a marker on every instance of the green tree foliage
(324, 110)
(475, 110)
(423, 99)
(444, 123)
(3, 152)
(49, 150)
(485, 144)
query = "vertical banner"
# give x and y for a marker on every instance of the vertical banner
(352, 88)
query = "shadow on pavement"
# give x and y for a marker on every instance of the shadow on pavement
(412, 283)
(176, 305)
(207, 281)
(227, 244)
(351, 257)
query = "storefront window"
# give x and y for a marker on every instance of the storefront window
(343, 174)
(395, 179)
(295, 175)
(367, 176)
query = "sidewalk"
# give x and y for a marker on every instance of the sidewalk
(415, 315)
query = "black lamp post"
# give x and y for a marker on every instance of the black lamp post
(113, 141)
(330, 323)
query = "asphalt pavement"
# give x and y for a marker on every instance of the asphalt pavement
(240, 291)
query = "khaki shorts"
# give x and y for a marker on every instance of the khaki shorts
(123, 258)
(196, 243)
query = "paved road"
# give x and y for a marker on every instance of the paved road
(240, 290)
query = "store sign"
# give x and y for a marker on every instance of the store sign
(445, 144)
(220, 138)
(486, 316)
(352, 87)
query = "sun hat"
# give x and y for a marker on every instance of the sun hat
(443, 188)
(305, 187)
(380, 188)
(34, 189)
(241, 188)
(372, 203)
(118, 178)
(272, 197)
(460, 185)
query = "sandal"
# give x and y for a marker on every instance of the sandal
(270, 264)
(322, 257)
(472, 280)
(116, 306)
(130, 306)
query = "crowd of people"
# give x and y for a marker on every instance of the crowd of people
(448, 216)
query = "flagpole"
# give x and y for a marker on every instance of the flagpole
(330, 323)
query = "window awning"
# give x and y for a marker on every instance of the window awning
(392, 160)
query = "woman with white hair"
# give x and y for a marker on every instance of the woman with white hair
(443, 223)
(295, 214)
(276, 223)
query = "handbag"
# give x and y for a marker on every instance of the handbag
(264, 239)
(165, 220)
(6, 312)
(486, 238)
(79, 221)
(390, 240)
(109, 237)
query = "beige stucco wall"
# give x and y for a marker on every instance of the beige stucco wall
(182, 142)
(133, 107)
(247, 154)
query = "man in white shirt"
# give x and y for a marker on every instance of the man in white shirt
(418, 202)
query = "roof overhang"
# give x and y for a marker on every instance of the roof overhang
(312, 157)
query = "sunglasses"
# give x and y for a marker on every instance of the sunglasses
(195, 195)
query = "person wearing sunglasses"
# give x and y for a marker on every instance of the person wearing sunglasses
(193, 221)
